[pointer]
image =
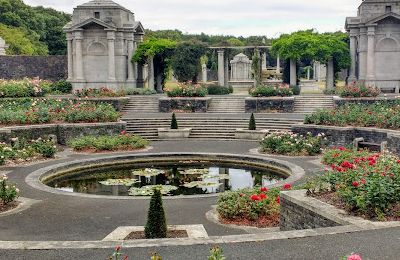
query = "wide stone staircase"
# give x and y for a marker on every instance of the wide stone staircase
(311, 103)
(227, 105)
(142, 104)
(204, 127)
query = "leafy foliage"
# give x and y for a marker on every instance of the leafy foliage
(219, 90)
(186, 61)
(21, 42)
(186, 90)
(8, 192)
(271, 91)
(156, 226)
(358, 89)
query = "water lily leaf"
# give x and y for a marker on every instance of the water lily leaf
(147, 172)
(195, 171)
(149, 190)
(119, 182)
(201, 184)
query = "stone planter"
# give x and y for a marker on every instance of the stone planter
(192, 105)
(250, 134)
(269, 104)
(166, 133)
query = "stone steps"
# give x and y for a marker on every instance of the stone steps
(228, 104)
(310, 104)
(205, 128)
(141, 104)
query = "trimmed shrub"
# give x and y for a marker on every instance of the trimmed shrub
(252, 123)
(140, 91)
(296, 90)
(61, 87)
(271, 91)
(156, 226)
(174, 122)
(186, 90)
(219, 90)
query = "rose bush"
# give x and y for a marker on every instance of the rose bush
(8, 191)
(358, 89)
(381, 115)
(23, 88)
(186, 90)
(41, 111)
(101, 92)
(288, 143)
(366, 183)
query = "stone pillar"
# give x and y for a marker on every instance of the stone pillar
(362, 54)
(278, 65)
(293, 72)
(131, 66)
(70, 57)
(371, 55)
(226, 71)
(204, 73)
(78, 36)
(151, 73)
(221, 68)
(314, 71)
(111, 55)
(308, 73)
(330, 75)
(264, 61)
(353, 54)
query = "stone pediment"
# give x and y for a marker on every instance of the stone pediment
(90, 22)
(139, 29)
(386, 18)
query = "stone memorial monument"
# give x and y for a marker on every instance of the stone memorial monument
(3, 47)
(375, 44)
(102, 38)
(241, 71)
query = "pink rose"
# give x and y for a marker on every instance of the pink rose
(354, 257)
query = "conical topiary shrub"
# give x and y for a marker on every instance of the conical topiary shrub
(156, 226)
(252, 123)
(174, 123)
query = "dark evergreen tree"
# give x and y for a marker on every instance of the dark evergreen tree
(156, 226)
(174, 122)
(252, 123)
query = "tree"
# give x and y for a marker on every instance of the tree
(161, 50)
(21, 42)
(252, 123)
(156, 226)
(186, 61)
(174, 122)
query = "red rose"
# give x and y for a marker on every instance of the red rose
(355, 184)
(287, 186)
(255, 197)
(363, 181)
(117, 248)
(264, 189)
(263, 196)
(278, 200)
(241, 195)
(398, 161)
(342, 148)
(347, 164)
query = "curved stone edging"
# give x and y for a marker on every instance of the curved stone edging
(35, 179)
(149, 148)
(24, 204)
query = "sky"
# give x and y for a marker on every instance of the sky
(269, 18)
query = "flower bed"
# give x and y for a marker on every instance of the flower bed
(8, 194)
(289, 143)
(271, 91)
(23, 88)
(22, 150)
(380, 115)
(257, 207)
(101, 92)
(122, 142)
(41, 111)
(186, 90)
(358, 89)
(363, 183)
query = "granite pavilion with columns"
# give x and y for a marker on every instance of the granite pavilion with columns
(375, 44)
(102, 38)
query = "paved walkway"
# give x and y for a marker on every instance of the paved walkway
(67, 218)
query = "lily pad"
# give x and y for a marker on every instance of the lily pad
(195, 172)
(201, 184)
(149, 190)
(119, 182)
(220, 176)
(147, 172)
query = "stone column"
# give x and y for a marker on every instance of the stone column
(264, 61)
(78, 36)
(293, 72)
(151, 73)
(371, 55)
(226, 71)
(353, 54)
(111, 55)
(314, 70)
(204, 73)
(330, 75)
(131, 66)
(278, 65)
(308, 73)
(362, 56)
(70, 57)
(221, 69)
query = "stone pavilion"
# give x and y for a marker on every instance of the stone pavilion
(375, 43)
(102, 38)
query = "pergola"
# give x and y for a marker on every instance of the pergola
(223, 61)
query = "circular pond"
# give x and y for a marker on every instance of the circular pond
(178, 174)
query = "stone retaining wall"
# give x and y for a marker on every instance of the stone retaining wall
(63, 132)
(269, 104)
(338, 101)
(345, 135)
(46, 67)
(196, 105)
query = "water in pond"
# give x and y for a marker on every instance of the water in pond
(175, 180)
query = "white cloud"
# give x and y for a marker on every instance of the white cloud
(234, 17)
